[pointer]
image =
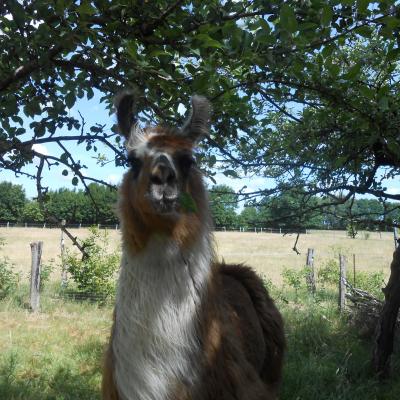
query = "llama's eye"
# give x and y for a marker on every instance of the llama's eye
(186, 161)
(135, 163)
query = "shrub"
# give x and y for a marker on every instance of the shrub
(371, 282)
(294, 278)
(351, 229)
(45, 272)
(328, 274)
(94, 275)
(8, 278)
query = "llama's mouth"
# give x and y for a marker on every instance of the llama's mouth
(165, 205)
(164, 199)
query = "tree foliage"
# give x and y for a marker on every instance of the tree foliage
(223, 206)
(12, 201)
(304, 92)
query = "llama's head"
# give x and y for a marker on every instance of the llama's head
(163, 190)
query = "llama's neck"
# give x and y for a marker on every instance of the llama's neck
(159, 295)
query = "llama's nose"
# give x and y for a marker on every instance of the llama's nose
(162, 172)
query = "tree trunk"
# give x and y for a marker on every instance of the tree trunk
(385, 331)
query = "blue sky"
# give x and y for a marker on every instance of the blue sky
(95, 112)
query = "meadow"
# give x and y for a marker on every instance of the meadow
(268, 253)
(57, 353)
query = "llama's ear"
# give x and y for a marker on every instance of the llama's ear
(198, 124)
(124, 104)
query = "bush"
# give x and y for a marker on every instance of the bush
(328, 274)
(371, 282)
(294, 278)
(8, 278)
(94, 275)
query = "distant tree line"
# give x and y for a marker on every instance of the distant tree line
(281, 211)
(98, 207)
(75, 206)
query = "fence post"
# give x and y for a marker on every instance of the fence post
(64, 277)
(8, 224)
(342, 282)
(36, 251)
(396, 238)
(354, 269)
(310, 278)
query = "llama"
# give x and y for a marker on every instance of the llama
(185, 327)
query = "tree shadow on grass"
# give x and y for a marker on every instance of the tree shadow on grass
(326, 359)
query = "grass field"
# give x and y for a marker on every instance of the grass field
(56, 354)
(268, 253)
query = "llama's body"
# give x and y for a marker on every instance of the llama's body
(185, 328)
(159, 293)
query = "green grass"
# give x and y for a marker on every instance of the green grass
(53, 355)
(57, 353)
(326, 359)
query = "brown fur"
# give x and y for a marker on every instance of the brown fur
(241, 334)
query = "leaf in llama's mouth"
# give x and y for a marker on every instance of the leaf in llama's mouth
(187, 203)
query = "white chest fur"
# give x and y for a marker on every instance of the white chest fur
(154, 341)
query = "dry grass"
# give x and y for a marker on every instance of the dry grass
(268, 253)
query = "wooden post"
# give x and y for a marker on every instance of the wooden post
(64, 277)
(36, 250)
(354, 270)
(8, 224)
(396, 238)
(342, 282)
(310, 278)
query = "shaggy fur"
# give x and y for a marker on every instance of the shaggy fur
(185, 327)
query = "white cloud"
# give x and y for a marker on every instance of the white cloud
(40, 148)
(114, 179)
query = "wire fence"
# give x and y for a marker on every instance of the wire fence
(46, 225)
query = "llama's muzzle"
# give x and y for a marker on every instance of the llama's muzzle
(163, 185)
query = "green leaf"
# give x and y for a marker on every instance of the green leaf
(353, 72)
(187, 202)
(75, 180)
(367, 92)
(362, 6)
(364, 31)
(70, 99)
(86, 8)
(207, 41)
(230, 172)
(288, 19)
(393, 55)
(326, 16)
(383, 103)
(65, 172)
